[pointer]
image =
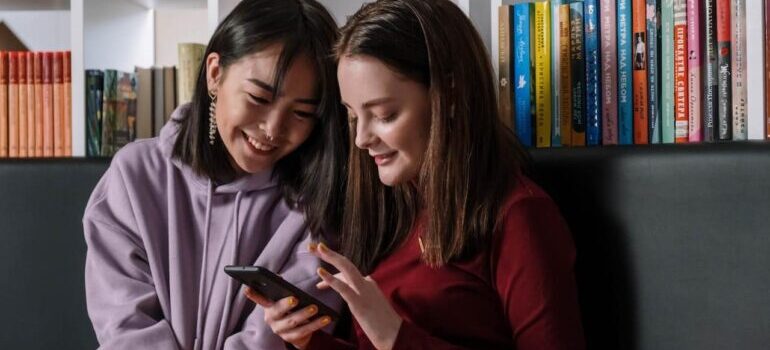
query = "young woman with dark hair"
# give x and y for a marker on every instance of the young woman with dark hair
(229, 181)
(459, 248)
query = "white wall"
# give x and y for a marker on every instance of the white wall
(40, 30)
(173, 26)
(341, 9)
(118, 34)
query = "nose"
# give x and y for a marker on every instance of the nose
(364, 138)
(273, 124)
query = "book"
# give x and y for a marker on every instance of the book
(505, 64)
(641, 94)
(22, 103)
(48, 105)
(565, 76)
(3, 104)
(67, 80)
(724, 47)
(144, 96)
(555, 76)
(711, 72)
(653, 72)
(124, 120)
(667, 71)
(158, 105)
(593, 89)
(755, 68)
(94, 87)
(740, 102)
(694, 76)
(39, 102)
(522, 74)
(109, 112)
(681, 89)
(609, 69)
(542, 47)
(58, 104)
(169, 92)
(13, 104)
(577, 73)
(625, 74)
(31, 102)
(190, 60)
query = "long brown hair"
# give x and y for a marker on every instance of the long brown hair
(472, 159)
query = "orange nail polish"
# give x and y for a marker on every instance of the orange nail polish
(312, 310)
(322, 271)
(292, 301)
(325, 320)
(312, 246)
(322, 247)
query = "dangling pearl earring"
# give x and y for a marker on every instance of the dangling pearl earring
(212, 118)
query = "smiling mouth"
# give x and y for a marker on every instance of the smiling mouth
(260, 145)
(383, 159)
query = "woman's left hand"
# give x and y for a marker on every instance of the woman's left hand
(364, 298)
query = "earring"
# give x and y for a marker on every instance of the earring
(212, 118)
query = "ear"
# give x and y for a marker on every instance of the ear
(213, 71)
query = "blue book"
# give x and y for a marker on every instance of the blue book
(522, 71)
(593, 88)
(578, 73)
(653, 72)
(625, 75)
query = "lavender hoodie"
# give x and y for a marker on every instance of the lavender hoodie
(158, 238)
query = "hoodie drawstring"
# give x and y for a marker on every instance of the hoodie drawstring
(201, 282)
(234, 261)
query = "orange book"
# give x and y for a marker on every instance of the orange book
(639, 45)
(67, 72)
(31, 104)
(22, 67)
(13, 104)
(3, 104)
(38, 84)
(58, 105)
(48, 104)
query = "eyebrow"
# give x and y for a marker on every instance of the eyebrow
(271, 89)
(372, 103)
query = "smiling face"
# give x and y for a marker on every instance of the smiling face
(257, 124)
(389, 116)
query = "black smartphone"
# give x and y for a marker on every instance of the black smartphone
(274, 288)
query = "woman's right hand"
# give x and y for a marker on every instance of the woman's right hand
(293, 326)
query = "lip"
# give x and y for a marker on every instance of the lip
(384, 158)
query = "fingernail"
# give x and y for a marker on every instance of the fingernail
(312, 310)
(292, 301)
(322, 271)
(322, 247)
(312, 246)
(325, 320)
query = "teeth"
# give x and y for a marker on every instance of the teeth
(259, 145)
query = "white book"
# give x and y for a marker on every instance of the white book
(755, 71)
(555, 117)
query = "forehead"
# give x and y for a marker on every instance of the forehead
(365, 75)
(263, 65)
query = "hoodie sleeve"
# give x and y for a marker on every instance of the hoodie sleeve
(120, 294)
(300, 270)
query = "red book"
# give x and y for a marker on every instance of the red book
(639, 45)
(48, 104)
(58, 105)
(3, 104)
(39, 102)
(681, 74)
(22, 67)
(31, 104)
(13, 104)
(67, 72)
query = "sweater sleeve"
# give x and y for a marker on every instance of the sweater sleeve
(533, 268)
(120, 294)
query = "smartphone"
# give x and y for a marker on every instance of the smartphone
(274, 288)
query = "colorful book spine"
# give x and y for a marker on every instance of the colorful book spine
(653, 72)
(3, 104)
(109, 110)
(711, 72)
(48, 96)
(578, 74)
(593, 90)
(565, 76)
(740, 131)
(755, 68)
(694, 74)
(23, 128)
(767, 68)
(641, 98)
(523, 74)
(67, 80)
(13, 104)
(58, 105)
(724, 45)
(31, 102)
(542, 74)
(609, 52)
(667, 71)
(504, 62)
(555, 76)
(94, 87)
(39, 115)
(625, 74)
(681, 89)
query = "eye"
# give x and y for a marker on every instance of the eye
(259, 100)
(305, 115)
(388, 118)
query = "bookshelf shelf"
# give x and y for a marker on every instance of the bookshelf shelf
(37, 5)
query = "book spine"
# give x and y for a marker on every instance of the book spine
(578, 73)
(653, 71)
(13, 104)
(67, 72)
(755, 87)
(641, 98)
(504, 61)
(94, 86)
(694, 90)
(48, 119)
(555, 76)
(3, 104)
(31, 102)
(58, 105)
(625, 74)
(767, 68)
(22, 76)
(593, 94)
(523, 74)
(609, 51)
(39, 102)
(667, 71)
(740, 132)
(109, 106)
(681, 105)
(542, 74)
(711, 72)
(565, 76)
(724, 45)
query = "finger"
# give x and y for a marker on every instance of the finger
(306, 330)
(340, 262)
(257, 298)
(294, 320)
(279, 309)
(324, 285)
(342, 288)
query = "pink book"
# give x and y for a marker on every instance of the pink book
(694, 64)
